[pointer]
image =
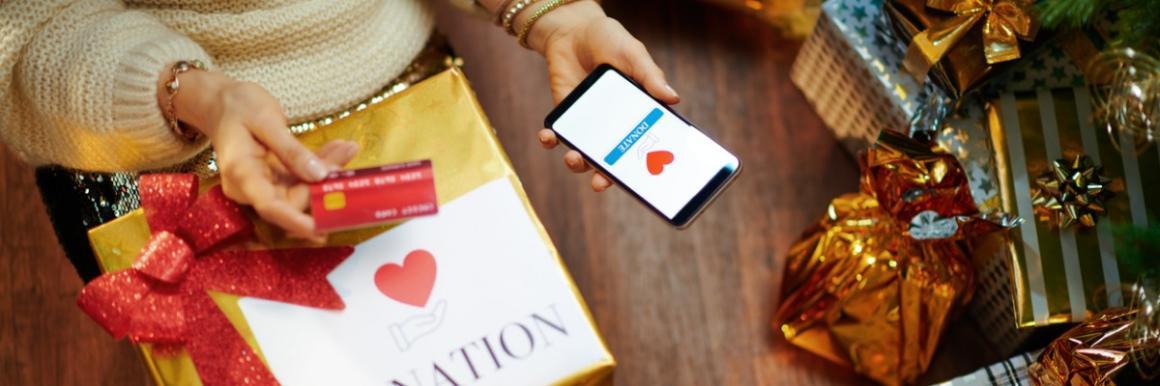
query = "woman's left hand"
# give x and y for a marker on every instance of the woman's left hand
(575, 39)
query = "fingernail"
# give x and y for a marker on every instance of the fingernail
(316, 169)
(672, 92)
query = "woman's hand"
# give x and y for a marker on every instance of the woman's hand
(260, 161)
(575, 39)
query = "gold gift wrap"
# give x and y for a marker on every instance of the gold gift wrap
(1104, 351)
(960, 43)
(1066, 274)
(793, 18)
(437, 119)
(874, 284)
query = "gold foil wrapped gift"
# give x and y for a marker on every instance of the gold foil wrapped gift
(960, 43)
(793, 18)
(874, 284)
(437, 119)
(1115, 347)
(1064, 263)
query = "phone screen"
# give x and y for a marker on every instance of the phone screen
(643, 145)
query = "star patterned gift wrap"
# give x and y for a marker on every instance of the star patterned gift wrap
(850, 71)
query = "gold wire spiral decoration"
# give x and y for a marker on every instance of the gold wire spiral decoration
(1125, 86)
(1144, 332)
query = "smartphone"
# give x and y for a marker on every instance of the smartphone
(643, 145)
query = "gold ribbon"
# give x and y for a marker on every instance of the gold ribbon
(1004, 23)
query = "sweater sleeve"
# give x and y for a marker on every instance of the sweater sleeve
(78, 83)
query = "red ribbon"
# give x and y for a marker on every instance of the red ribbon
(164, 298)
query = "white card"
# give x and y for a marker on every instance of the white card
(499, 309)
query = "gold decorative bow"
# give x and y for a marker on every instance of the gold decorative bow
(1005, 22)
(1072, 192)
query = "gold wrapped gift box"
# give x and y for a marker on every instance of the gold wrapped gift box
(875, 283)
(1064, 275)
(961, 43)
(1116, 347)
(437, 119)
(792, 18)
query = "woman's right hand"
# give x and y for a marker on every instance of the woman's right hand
(260, 162)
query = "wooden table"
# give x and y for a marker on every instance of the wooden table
(688, 307)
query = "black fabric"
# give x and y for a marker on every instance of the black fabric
(78, 201)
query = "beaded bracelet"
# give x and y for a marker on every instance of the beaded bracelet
(171, 88)
(550, 6)
(499, 12)
(509, 16)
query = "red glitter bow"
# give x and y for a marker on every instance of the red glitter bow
(164, 298)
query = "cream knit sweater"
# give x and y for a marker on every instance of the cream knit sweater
(78, 77)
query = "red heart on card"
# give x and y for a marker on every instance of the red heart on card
(656, 161)
(409, 283)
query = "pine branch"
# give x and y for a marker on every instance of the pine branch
(1138, 248)
(1137, 22)
(1070, 13)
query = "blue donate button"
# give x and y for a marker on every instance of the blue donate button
(636, 134)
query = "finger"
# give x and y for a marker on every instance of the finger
(333, 154)
(337, 153)
(270, 129)
(575, 162)
(600, 183)
(298, 196)
(239, 158)
(316, 240)
(328, 148)
(276, 210)
(548, 139)
(640, 66)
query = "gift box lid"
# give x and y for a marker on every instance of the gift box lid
(437, 119)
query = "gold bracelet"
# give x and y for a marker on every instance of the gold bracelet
(509, 16)
(550, 6)
(171, 88)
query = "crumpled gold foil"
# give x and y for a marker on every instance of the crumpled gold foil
(876, 281)
(958, 41)
(1105, 351)
(792, 18)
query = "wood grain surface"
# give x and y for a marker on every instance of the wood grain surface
(689, 307)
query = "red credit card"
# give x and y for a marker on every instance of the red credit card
(358, 198)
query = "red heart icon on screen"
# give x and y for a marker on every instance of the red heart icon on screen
(409, 283)
(656, 161)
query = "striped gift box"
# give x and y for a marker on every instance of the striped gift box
(1009, 372)
(1066, 275)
